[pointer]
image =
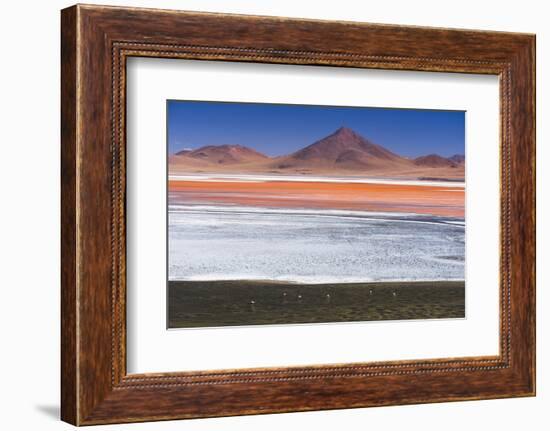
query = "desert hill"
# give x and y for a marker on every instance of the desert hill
(458, 158)
(434, 161)
(217, 155)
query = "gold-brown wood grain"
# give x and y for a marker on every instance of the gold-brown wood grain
(96, 41)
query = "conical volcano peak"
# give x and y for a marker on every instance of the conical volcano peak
(345, 132)
(343, 147)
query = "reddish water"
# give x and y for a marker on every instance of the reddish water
(443, 201)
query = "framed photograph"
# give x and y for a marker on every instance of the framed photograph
(264, 214)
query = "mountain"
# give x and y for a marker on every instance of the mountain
(342, 150)
(458, 158)
(219, 154)
(434, 161)
(182, 152)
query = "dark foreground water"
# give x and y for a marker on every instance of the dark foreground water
(243, 302)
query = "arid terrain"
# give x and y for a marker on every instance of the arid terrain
(344, 152)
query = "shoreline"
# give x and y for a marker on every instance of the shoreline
(344, 179)
(282, 282)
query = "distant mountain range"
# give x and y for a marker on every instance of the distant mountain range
(343, 152)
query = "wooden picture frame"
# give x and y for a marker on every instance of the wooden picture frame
(95, 43)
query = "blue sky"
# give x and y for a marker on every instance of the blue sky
(281, 129)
